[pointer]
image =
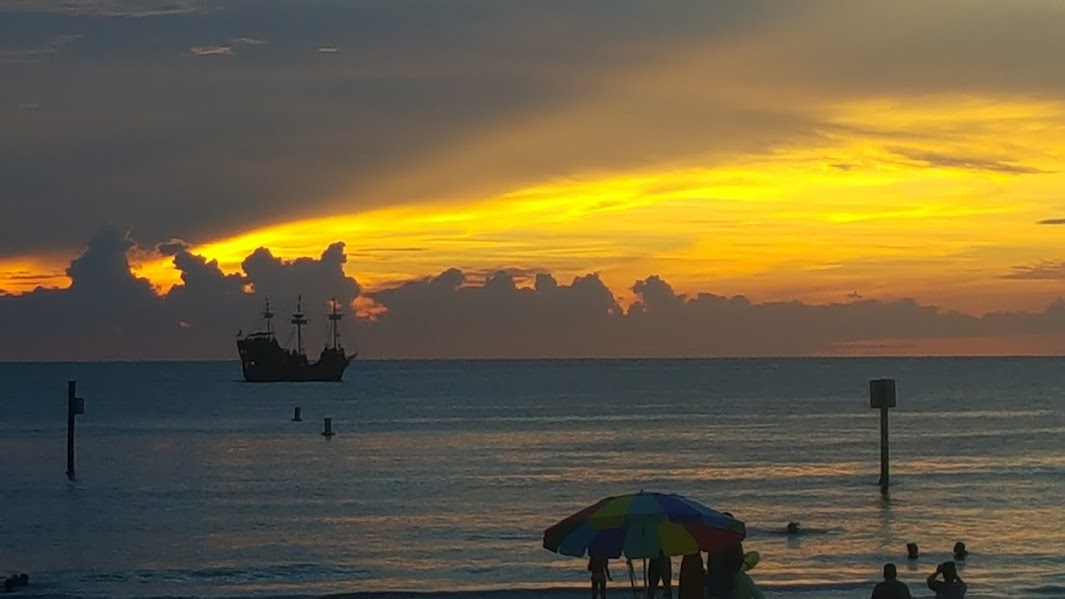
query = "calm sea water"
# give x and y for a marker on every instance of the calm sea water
(443, 474)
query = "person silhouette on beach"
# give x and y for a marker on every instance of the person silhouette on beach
(692, 577)
(725, 578)
(600, 569)
(892, 587)
(952, 586)
(660, 569)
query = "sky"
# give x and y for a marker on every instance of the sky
(493, 178)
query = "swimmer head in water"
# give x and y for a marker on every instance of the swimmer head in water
(960, 551)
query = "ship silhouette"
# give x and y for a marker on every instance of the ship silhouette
(264, 360)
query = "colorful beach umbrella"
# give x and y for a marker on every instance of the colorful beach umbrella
(643, 525)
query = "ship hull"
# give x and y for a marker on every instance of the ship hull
(262, 360)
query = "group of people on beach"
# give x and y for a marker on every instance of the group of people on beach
(723, 576)
(950, 587)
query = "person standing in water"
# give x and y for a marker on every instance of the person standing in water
(692, 583)
(725, 578)
(600, 569)
(952, 586)
(892, 587)
(660, 569)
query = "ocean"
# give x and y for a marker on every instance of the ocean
(442, 475)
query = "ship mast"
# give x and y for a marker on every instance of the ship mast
(299, 321)
(334, 322)
(268, 316)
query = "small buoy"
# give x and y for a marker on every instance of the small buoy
(296, 415)
(327, 428)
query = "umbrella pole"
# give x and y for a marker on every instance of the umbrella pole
(632, 579)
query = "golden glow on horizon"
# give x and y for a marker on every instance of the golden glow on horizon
(936, 199)
(25, 273)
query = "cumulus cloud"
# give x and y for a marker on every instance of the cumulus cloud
(108, 313)
(446, 315)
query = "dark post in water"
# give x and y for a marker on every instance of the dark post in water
(882, 395)
(75, 406)
(327, 427)
(296, 415)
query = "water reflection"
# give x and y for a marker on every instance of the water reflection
(453, 490)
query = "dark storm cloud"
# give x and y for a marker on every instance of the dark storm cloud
(108, 313)
(1052, 221)
(203, 148)
(445, 100)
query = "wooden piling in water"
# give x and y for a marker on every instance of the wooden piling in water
(75, 406)
(882, 396)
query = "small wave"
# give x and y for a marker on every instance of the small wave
(1046, 590)
(782, 532)
(502, 536)
(279, 572)
(812, 589)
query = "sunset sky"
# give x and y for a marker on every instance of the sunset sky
(821, 152)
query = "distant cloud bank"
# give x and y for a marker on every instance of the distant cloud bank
(109, 313)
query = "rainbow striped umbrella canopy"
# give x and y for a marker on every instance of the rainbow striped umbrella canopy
(643, 525)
